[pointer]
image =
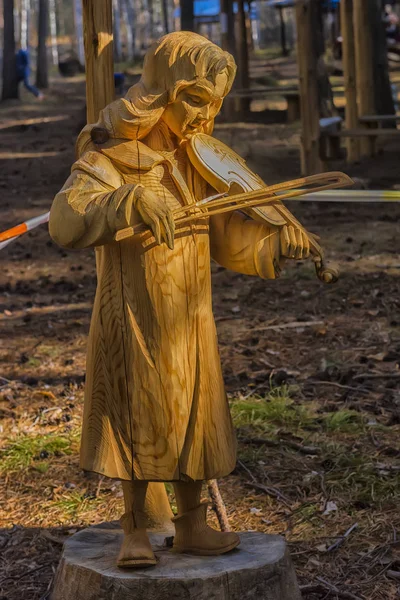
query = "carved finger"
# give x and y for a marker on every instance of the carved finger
(166, 233)
(156, 229)
(306, 246)
(285, 241)
(299, 240)
(171, 224)
(293, 242)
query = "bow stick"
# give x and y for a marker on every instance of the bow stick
(222, 203)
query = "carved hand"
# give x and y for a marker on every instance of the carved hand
(156, 214)
(294, 243)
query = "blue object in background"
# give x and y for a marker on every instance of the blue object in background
(327, 4)
(23, 72)
(204, 9)
(119, 83)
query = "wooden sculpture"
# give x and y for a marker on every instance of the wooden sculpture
(155, 405)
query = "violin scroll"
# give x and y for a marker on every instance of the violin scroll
(326, 272)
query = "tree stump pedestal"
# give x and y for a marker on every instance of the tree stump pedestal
(259, 569)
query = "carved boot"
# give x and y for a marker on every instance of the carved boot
(136, 550)
(194, 536)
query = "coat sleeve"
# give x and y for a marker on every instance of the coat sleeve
(92, 206)
(241, 244)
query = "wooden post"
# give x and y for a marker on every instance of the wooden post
(364, 69)
(349, 71)
(309, 99)
(98, 36)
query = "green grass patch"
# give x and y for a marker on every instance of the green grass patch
(22, 452)
(270, 52)
(364, 484)
(51, 351)
(277, 408)
(42, 467)
(33, 362)
(345, 421)
(76, 503)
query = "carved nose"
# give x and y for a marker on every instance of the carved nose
(204, 115)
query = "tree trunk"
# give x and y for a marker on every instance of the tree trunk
(25, 13)
(364, 70)
(382, 88)
(243, 80)
(125, 14)
(117, 31)
(151, 20)
(227, 23)
(53, 31)
(78, 22)
(10, 83)
(165, 15)
(61, 17)
(283, 32)
(187, 15)
(42, 76)
(17, 22)
(132, 24)
(145, 32)
(325, 95)
(227, 26)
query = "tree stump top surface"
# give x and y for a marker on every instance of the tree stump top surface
(260, 568)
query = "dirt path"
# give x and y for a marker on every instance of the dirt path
(323, 390)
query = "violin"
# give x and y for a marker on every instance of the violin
(241, 189)
(228, 173)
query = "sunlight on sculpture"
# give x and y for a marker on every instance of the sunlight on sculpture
(155, 404)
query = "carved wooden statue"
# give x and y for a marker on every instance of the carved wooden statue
(155, 405)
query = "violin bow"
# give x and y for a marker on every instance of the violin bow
(221, 203)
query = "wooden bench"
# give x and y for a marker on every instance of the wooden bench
(376, 132)
(379, 119)
(290, 93)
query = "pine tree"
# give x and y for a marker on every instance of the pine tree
(10, 83)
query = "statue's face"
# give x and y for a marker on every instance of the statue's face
(194, 106)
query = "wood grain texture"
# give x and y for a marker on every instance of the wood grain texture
(363, 45)
(100, 92)
(154, 387)
(309, 102)
(155, 405)
(260, 569)
(349, 71)
(98, 39)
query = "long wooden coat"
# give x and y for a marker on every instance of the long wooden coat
(155, 405)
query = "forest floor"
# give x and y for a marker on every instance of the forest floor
(312, 372)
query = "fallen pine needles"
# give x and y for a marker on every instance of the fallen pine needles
(281, 442)
(326, 589)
